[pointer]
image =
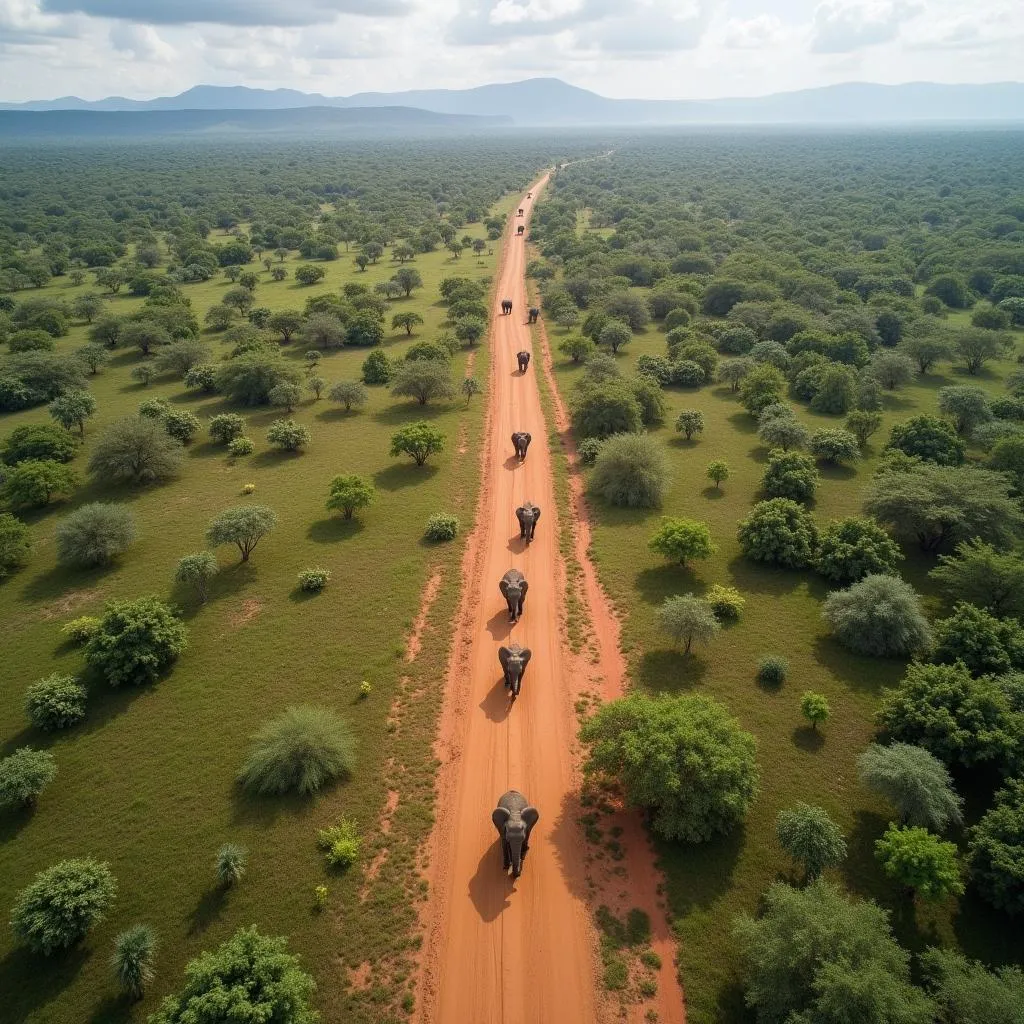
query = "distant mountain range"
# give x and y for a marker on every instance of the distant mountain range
(549, 101)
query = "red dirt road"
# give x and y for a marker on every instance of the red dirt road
(497, 952)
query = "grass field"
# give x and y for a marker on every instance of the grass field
(147, 782)
(708, 885)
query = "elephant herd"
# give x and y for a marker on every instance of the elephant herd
(532, 314)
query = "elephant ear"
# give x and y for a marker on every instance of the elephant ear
(503, 654)
(536, 513)
(529, 438)
(531, 816)
(526, 654)
(500, 816)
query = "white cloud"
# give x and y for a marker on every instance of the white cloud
(842, 26)
(758, 33)
(142, 42)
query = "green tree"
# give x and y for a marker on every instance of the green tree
(249, 378)
(683, 759)
(287, 323)
(789, 475)
(470, 386)
(406, 322)
(682, 540)
(892, 370)
(423, 379)
(952, 290)
(308, 274)
(605, 409)
(690, 422)
(15, 544)
(88, 306)
(470, 329)
(135, 642)
(323, 331)
(145, 335)
(225, 427)
(418, 440)
(135, 449)
(781, 532)
(850, 549)
(34, 484)
(243, 525)
(966, 993)
(966, 406)
(928, 438)
(733, 372)
(815, 708)
(407, 279)
(181, 424)
(880, 615)
(1007, 456)
(914, 781)
(687, 619)
(24, 775)
(862, 424)
(286, 395)
(352, 394)
(978, 640)
(763, 385)
(630, 470)
(95, 534)
(196, 571)
(614, 334)
(833, 446)
(349, 492)
(921, 861)
(265, 982)
(718, 470)
(976, 347)
(93, 356)
(810, 837)
(982, 576)
(997, 850)
(782, 431)
(38, 442)
(72, 409)
(132, 959)
(576, 348)
(376, 369)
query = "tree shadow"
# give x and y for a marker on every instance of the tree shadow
(986, 934)
(29, 982)
(696, 876)
(113, 1010)
(659, 582)
(332, 414)
(401, 475)
(409, 412)
(765, 579)
(334, 528)
(490, 888)
(836, 471)
(14, 819)
(809, 740)
(742, 422)
(207, 910)
(249, 808)
(670, 671)
(274, 457)
(497, 703)
(60, 579)
(713, 493)
(859, 671)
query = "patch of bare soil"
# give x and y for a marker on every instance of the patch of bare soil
(412, 648)
(251, 607)
(65, 605)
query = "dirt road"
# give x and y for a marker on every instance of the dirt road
(497, 952)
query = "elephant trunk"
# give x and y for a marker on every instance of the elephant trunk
(515, 849)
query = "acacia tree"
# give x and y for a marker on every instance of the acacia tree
(406, 322)
(682, 540)
(687, 619)
(976, 347)
(244, 525)
(352, 394)
(196, 571)
(418, 440)
(984, 577)
(349, 492)
(879, 615)
(423, 379)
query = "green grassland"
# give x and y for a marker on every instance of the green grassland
(147, 782)
(707, 885)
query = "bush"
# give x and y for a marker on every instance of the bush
(201, 378)
(850, 549)
(24, 775)
(136, 641)
(984, 577)
(349, 393)
(606, 408)
(688, 374)
(312, 581)
(35, 484)
(264, 980)
(588, 450)
(418, 440)
(442, 526)
(341, 844)
(725, 602)
(62, 905)
(55, 702)
(683, 759)
(249, 378)
(300, 751)
(682, 540)
(423, 379)
(914, 781)
(348, 493)
(920, 861)
(984, 644)
(779, 532)
(95, 534)
(81, 630)
(690, 422)
(132, 961)
(230, 864)
(39, 442)
(763, 385)
(376, 369)
(15, 544)
(225, 427)
(241, 446)
(288, 435)
(688, 619)
(772, 670)
(880, 616)
(789, 475)
(196, 571)
(963, 990)
(833, 445)
(810, 837)
(135, 450)
(630, 470)
(928, 438)
(997, 850)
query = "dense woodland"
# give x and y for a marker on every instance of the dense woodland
(792, 368)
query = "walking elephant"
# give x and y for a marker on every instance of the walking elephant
(528, 514)
(520, 211)
(523, 359)
(521, 230)
(533, 314)
(514, 818)
(514, 660)
(506, 307)
(513, 587)
(521, 441)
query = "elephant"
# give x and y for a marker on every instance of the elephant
(521, 441)
(520, 211)
(533, 314)
(520, 230)
(528, 514)
(506, 307)
(523, 359)
(529, 195)
(514, 818)
(513, 587)
(514, 660)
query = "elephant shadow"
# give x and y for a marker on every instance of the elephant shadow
(517, 545)
(497, 705)
(490, 888)
(498, 625)
(513, 462)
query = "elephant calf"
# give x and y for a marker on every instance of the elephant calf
(506, 307)
(521, 441)
(514, 660)
(523, 359)
(514, 819)
(527, 514)
(513, 587)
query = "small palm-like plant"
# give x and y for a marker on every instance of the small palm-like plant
(230, 863)
(133, 959)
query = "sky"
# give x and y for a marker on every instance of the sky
(673, 49)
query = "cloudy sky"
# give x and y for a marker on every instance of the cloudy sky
(625, 48)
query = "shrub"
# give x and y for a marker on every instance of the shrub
(300, 751)
(688, 619)
(833, 445)
(340, 843)
(230, 864)
(423, 379)
(880, 616)
(763, 385)
(789, 475)
(442, 526)
(850, 549)
(610, 407)
(418, 440)
(914, 781)
(772, 670)
(39, 442)
(682, 540)
(984, 577)
(95, 534)
(984, 644)
(920, 861)
(15, 544)
(34, 484)
(143, 374)
(928, 438)
(349, 393)
(312, 581)
(630, 470)
(862, 424)
(225, 427)
(134, 450)
(288, 435)
(348, 493)
(376, 369)
(681, 758)
(810, 837)
(814, 707)
(588, 450)
(154, 408)
(136, 641)
(62, 904)
(24, 775)
(81, 630)
(779, 532)
(249, 378)
(241, 446)
(182, 425)
(55, 702)
(966, 406)
(690, 422)
(997, 850)
(196, 571)
(718, 470)
(725, 602)
(132, 960)
(688, 374)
